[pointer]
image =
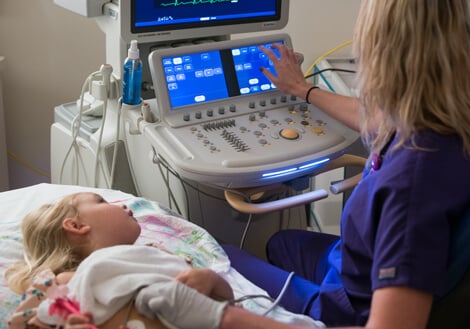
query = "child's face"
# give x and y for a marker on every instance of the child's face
(110, 224)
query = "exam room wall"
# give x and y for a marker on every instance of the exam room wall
(50, 51)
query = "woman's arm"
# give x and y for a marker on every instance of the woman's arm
(290, 80)
(345, 109)
(207, 282)
(399, 307)
(236, 318)
(392, 308)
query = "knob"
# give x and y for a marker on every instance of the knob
(289, 133)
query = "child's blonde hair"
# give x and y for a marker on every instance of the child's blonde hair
(45, 244)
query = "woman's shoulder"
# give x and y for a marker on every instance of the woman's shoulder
(435, 167)
(430, 165)
(429, 150)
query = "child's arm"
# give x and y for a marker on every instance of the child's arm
(207, 282)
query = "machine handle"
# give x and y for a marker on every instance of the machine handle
(240, 199)
(238, 202)
(345, 184)
(346, 160)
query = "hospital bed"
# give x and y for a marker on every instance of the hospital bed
(158, 223)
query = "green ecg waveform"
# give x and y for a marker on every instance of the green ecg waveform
(194, 2)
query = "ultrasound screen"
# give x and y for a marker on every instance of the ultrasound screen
(196, 78)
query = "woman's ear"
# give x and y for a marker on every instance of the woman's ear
(75, 226)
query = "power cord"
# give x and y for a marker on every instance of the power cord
(328, 53)
(274, 301)
(329, 69)
(245, 231)
(101, 92)
(281, 294)
(75, 129)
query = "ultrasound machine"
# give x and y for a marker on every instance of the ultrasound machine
(210, 127)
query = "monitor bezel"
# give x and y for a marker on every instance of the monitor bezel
(193, 31)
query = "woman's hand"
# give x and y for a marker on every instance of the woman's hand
(289, 77)
(206, 282)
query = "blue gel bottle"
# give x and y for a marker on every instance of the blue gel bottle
(132, 76)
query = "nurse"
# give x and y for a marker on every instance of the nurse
(413, 111)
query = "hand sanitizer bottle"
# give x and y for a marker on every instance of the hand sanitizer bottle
(132, 76)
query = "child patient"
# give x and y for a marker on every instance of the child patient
(88, 244)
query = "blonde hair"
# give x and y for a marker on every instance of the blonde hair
(413, 60)
(45, 244)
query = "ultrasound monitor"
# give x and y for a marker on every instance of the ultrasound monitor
(170, 20)
(206, 76)
(199, 77)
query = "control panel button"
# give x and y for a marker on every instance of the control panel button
(318, 130)
(289, 133)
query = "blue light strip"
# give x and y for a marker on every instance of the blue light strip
(313, 164)
(288, 171)
(280, 173)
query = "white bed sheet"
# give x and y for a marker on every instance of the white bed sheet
(157, 225)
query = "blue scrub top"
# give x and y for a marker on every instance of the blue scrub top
(396, 226)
